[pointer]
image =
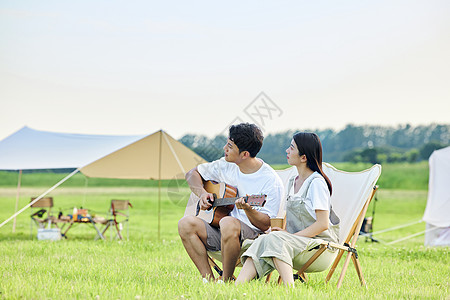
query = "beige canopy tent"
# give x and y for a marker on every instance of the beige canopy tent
(156, 156)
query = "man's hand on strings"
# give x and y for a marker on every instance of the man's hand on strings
(206, 200)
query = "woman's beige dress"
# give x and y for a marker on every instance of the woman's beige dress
(285, 245)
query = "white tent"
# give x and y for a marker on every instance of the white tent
(155, 156)
(437, 212)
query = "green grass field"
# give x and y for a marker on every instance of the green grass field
(146, 267)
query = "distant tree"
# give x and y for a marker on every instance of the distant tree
(428, 148)
(370, 155)
(395, 157)
(274, 146)
(412, 155)
(353, 143)
(349, 138)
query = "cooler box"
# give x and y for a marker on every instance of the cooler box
(53, 234)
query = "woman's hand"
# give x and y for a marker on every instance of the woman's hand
(278, 229)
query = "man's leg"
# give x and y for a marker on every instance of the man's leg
(193, 235)
(230, 229)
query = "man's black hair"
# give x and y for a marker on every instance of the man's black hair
(247, 137)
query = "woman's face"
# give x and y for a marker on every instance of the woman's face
(293, 157)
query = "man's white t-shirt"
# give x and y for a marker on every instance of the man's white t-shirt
(265, 181)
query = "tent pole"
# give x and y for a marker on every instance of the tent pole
(17, 199)
(159, 209)
(85, 190)
(159, 185)
(40, 197)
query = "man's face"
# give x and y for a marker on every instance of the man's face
(231, 152)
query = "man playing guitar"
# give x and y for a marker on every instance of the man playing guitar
(250, 175)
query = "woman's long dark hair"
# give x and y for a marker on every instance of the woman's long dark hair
(309, 144)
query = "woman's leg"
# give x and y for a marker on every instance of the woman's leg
(248, 271)
(285, 271)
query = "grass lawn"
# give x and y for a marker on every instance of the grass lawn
(147, 268)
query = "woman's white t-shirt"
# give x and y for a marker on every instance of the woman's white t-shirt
(265, 181)
(318, 196)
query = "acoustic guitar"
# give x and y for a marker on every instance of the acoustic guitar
(224, 198)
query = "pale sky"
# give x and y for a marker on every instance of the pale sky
(134, 67)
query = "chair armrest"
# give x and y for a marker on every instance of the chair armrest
(334, 245)
(39, 213)
(120, 214)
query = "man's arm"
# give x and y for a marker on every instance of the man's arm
(195, 181)
(261, 218)
(258, 219)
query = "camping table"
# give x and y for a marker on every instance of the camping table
(84, 220)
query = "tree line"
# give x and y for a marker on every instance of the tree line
(367, 143)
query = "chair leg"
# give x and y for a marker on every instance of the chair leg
(215, 266)
(106, 228)
(358, 270)
(344, 269)
(268, 277)
(103, 232)
(279, 279)
(312, 259)
(118, 230)
(333, 267)
(302, 276)
(99, 234)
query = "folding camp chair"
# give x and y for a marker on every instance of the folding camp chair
(119, 215)
(352, 193)
(43, 216)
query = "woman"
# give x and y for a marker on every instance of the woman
(307, 215)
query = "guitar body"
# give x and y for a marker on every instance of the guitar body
(215, 214)
(224, 198)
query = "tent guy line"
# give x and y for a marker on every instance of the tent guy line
(40, 197)
(176, 157)
(397, 227)
(413, 235)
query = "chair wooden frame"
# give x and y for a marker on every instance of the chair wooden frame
(37, 216)
(350, 249)
(348, 246)
(116, 209)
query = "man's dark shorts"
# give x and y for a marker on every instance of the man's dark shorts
(213, 235)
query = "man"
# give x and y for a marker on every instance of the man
(250, 175)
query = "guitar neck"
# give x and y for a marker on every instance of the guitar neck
(226, 201)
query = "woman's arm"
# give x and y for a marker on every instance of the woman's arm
(317, 227)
